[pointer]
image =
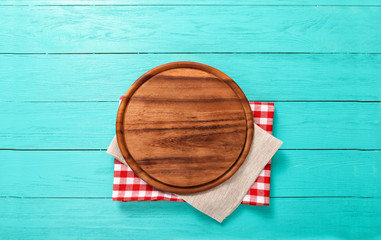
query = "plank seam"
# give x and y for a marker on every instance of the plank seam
(187, 5)
(22, 197)
(188, 53)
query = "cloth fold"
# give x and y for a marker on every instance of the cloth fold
(218, 202)
(129, 187)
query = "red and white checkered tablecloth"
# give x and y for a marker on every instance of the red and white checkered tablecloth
(129, 187)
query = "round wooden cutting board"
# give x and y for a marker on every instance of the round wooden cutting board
(184, 127)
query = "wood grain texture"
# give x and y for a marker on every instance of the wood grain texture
(91, 125)
(262, 77)
(89, 174)
(87, 29)
(313, 218)
(184, 127)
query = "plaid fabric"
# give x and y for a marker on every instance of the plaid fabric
(129, 187)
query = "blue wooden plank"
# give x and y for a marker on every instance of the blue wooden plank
(328, 125)
(327, 173)
(194, 2)
(91, 125)
(316, 218)
(190, 29)
(268, 77)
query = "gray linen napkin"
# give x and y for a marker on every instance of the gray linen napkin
(220, 201)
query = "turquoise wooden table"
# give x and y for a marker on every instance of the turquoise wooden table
(63, 66)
